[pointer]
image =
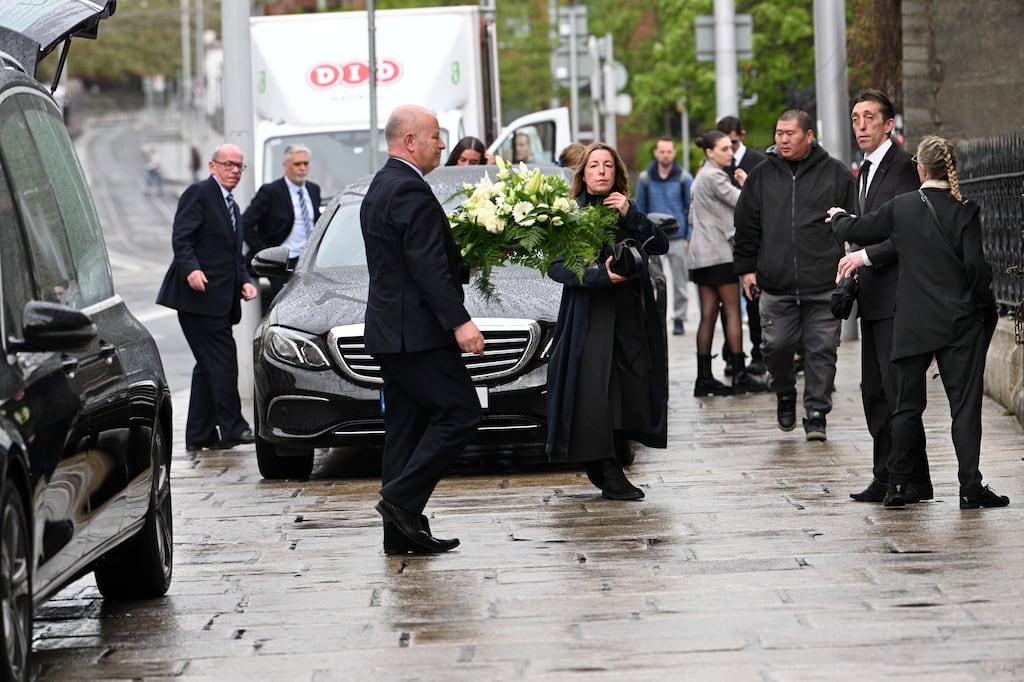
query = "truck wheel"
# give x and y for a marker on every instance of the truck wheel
(15, 585)
(141, 567)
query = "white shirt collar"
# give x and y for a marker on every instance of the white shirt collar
(876, 156)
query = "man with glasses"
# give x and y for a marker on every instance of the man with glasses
(283, 212)
(205, 283)
(745, 158)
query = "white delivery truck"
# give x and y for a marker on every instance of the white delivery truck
(311, 86)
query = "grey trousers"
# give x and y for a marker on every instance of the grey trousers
(788, 322)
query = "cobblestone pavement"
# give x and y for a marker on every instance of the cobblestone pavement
(746, 561)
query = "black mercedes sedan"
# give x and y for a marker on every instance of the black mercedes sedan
(317, 387)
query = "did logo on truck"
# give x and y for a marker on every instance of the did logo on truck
(353, 73)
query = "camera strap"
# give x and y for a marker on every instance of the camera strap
(938, 223)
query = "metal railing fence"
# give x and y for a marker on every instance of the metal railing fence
(991, 173)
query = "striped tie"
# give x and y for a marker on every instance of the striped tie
(232, 211)
(307, 220)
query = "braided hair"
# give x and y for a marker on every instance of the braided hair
(938, 157)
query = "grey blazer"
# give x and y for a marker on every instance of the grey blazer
(712, 200)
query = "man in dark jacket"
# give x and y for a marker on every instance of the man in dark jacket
(205, 283)
(886, 172)
(784, 249)
(417, 329)
(283, 211)
(665, 188)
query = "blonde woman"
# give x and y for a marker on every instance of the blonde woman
(945, 310)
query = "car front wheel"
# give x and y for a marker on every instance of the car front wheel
(277, 462)
(15, 584)
(141, 567)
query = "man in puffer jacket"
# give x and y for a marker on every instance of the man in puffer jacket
(787, 256)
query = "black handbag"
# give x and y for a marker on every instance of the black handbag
(844, 297)
(626, 258)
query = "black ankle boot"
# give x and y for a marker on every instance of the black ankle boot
(615, 484)
(706, 384)
(742, 380)
(595, 472)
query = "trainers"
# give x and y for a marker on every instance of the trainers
(677, 328)
(786, 410)
(984, 497)
(814, 426)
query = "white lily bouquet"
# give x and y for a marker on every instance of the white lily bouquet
(528, 218)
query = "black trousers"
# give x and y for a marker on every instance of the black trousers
(431, 412)
(878, 394)
(214, 408)
(962, 367)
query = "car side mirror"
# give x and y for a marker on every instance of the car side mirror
(271, 262)
(48, 326)
(664, 222)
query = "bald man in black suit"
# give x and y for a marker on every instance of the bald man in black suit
(417, 328)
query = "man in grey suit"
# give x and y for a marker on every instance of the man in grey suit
(886, 172)
(205, 283)
(417, 328)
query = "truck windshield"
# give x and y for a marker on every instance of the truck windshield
(337, 158)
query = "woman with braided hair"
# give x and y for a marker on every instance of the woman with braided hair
(944, 309)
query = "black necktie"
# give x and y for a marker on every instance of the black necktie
(232, 208)
(307, 221)
(865, 168)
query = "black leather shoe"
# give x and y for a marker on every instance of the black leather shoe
(982, 497)
(786, 410)
(397, 544)
(246, 437)
(919, 492)
(615, 485)
(410, 525)
(895, 495)
(875, 492)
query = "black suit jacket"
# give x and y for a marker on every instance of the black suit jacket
(752, 158)
(270, 216)
(895, 175)
(204, 239)
(415, 299)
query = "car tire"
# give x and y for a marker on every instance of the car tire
(16, 607)
(141, 567)
(277, 462)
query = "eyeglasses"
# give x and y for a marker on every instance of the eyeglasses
(231, 165)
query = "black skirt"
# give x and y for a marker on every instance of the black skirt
(714, 275)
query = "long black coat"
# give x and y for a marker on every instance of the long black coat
(571, 333)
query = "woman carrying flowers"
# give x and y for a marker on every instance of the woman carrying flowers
(607, 376)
